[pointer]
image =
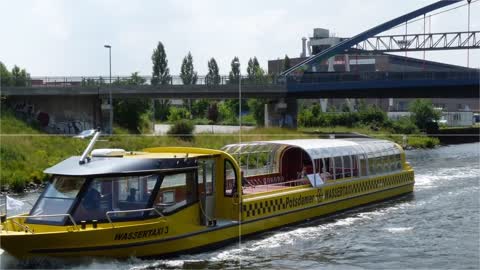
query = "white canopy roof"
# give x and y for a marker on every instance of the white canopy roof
(322, 148)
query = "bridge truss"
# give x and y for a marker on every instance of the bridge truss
(369, 40)
(421, 42)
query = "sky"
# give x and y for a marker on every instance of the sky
(66, 38)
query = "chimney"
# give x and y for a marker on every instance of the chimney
(304, 47)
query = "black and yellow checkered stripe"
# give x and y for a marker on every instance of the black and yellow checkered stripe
(265, 207)
(262, 207)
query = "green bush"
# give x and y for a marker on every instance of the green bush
(422, 141)
(404, 125)
(182, 129)
(176, 114)
(17, 184)
(373, 115)
(424, 115)
(248, 120)
(226, 115)
(129, 113)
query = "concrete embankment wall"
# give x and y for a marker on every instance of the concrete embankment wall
(58, 114)
(459, 135)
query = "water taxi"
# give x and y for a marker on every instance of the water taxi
(171, 200)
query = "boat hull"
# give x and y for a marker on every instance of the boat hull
(160, 237)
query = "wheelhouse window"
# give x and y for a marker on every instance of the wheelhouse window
(116, 195)
(57, 199)
(207, 170)
(177, 191)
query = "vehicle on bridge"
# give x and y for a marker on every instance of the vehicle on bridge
(171, 200)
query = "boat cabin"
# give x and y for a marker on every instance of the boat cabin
(273, 165)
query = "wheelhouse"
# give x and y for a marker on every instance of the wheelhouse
(271, 165)
(120, 189)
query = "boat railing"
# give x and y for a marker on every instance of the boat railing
(275, 186)
(296, 182)
(41, 216)
(108, 213)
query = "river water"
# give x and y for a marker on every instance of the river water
(436, 227)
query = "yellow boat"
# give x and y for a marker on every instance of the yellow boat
(170, 200)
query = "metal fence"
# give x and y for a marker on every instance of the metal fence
(92, 81)
(323, 77)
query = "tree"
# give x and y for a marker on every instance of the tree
(234, 74)
(5, 75)
(213, 77)
(252, 68)
(424, 115)
(286, 63)
(257, 108)
(161, 72)
(19, 77)
(162, 109)
(200, 107)
(187, 73)
(254, 72)
(135, 79)
(213, 114)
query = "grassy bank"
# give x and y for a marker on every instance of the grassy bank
(25, 152)
(409, 141)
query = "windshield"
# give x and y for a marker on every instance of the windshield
(58, 198)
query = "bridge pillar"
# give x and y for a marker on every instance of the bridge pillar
(281, 113)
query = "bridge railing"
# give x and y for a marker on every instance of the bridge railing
(92, 81)
(381, 76)
(319, 77)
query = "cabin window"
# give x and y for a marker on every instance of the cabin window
(58, 198)
(355, 172)
(177, 191)
(392, 165)
(338, 168)
(372, 166)
(117, 195)
(399, 161)
(325, 170)
(230, 178)
(348, 166)
(379, 164)
(363, 165)
(255, 163)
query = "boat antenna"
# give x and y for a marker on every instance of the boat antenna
(89, 147)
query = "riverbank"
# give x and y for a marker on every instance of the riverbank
(25, 152)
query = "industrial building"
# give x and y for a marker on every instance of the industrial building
(361, 61)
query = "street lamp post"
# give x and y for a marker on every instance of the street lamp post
(110, 87)
(237, 63)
